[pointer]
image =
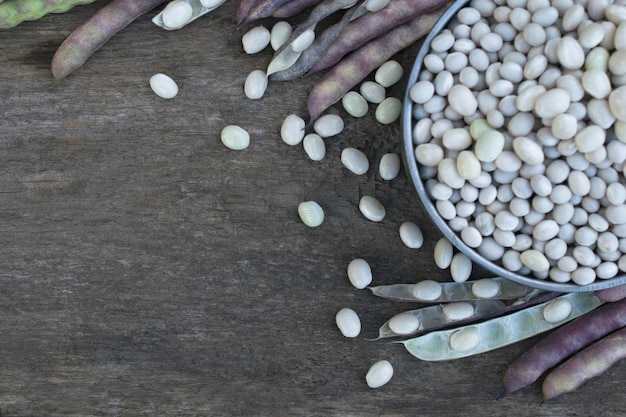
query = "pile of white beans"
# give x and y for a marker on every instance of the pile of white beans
(520, 134)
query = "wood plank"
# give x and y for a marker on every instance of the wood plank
(148, 270)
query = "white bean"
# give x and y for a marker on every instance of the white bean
(374, 92)
(379, 374)
(256, 39)
(348, 322)
(314, 146)
(176, 14)
(389, 73)
(443, 253)
(489, 145)
(376, 5)
(280, 33)
(458, 310)
(462, 100)
(411, 235)
(570, 53)
(389, 166)
(163, 86)
(255, 85)
(404, 323)
(303, 41)
(465, 339)
(486, 288)
(427, 290)
(328, 125)
(311, 213)
(292, 129)
(528, 150)
(557, 310)
(235, 137)
(354, 104)
(355, 160)
(535, 260)
(359, 273)
(389, 110)
(460, 267)
(371, 208)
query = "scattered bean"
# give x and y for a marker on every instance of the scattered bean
(292, 130)
(235, 137)
(314, 146)
(163, 86)
(372, 92)
(311, 213)
(411, 235)
(371, 208)
(348, 322)
(359, 273)
(388, 110)
(354, 104)
(379, 374)
(443, 253)
(255, 85)
(328, 125)
(355, 160)
(389, 166)
(256, 39)
(389, 73)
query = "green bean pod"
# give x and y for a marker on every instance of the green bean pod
(14, 12)
(451, 291)
(499, 332)
(433, 316)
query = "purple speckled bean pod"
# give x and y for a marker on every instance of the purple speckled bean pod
(563, 342)
(585, 365)
(353, 68)
(294, 7)
(373, 25)
(242, 10)
(261, 9)
(610, 295)
(95, 32)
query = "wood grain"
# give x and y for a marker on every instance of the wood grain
(146, 270)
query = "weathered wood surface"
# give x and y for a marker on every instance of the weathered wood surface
(145, 269)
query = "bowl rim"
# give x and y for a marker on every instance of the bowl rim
(411, 167)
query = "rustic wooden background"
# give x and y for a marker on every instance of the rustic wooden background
(146, 270)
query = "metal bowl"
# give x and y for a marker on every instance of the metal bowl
(412, 169)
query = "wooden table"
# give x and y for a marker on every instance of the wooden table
(146, 270)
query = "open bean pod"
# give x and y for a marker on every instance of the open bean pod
(459, 313)
(496, 333)
(197, 11)
(287, 54)
(434, 316)
(435, 292)
(318, 48)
